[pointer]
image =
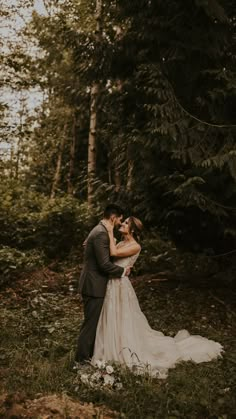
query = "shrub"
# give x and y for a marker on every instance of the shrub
(13, 262)
(159, 255)
(29, 220)
(63, 225)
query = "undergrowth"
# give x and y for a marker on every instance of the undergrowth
(40, 326)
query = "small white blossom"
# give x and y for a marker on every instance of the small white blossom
(108, 380)
(119, 386)
(100, 364)
(84, 378)
(109, 369)
(96, 376)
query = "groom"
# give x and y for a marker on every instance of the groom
(94, 277)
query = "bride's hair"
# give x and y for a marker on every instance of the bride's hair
(135, 226)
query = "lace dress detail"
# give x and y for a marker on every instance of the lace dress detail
(124, 335)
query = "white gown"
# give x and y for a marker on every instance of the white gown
(124, 335)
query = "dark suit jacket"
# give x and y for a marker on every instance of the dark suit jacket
(97, 266)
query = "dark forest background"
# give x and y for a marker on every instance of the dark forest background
(138, 107)
(133, 102)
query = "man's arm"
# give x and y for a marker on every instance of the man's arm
(102, 252)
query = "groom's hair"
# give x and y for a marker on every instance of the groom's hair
(113, 209)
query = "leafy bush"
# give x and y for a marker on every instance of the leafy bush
(13, 262)
(160, 255)
(29, 220)
(19, 214)
(63, 225)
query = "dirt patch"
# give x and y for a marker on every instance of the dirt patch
(53, 406)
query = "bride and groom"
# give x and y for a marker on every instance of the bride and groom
(114, 328)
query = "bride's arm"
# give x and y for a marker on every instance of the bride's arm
(122, 251)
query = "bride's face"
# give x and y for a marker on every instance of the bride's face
(124, 228)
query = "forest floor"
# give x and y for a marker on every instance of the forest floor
(40, 316)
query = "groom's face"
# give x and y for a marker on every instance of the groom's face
(117, 220)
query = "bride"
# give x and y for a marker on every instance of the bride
(123, 333)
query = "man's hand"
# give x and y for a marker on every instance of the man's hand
(108, 225)
(128, 270)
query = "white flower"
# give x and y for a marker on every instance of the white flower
(108, 380)
(99, 364)
(109, 369)
(96, 376)
(84, 378)
(119, 386)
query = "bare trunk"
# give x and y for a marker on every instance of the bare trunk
(117, 174)
(12, 163)
(117, 178)
(18, 156)
(57, 174)
(21, 114)
(70, 186)
(92, 143)
(130, 175)
(93, 114)
(109, 168)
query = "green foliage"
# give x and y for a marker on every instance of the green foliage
(13, 262)
(63, 225)
(160, 257)
(165, 134)
(30, 221)
(19, 215)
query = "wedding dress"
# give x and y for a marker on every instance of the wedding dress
(124, 335)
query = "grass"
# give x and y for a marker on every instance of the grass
(40, 328)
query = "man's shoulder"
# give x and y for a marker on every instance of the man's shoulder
(98, 229)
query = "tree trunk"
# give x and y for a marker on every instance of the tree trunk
(22, 113)
(92, 143)
(18, 156)
(12, 162)
(117, 178)
(93, 114)
(130, 175)
(109, 169)
(70, 186)
(57, 174)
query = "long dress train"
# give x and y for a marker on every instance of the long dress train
(124, 335)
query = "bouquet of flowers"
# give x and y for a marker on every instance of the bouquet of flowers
(101, 375)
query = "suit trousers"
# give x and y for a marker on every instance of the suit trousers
(86, 340)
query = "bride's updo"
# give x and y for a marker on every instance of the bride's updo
(135, 227)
